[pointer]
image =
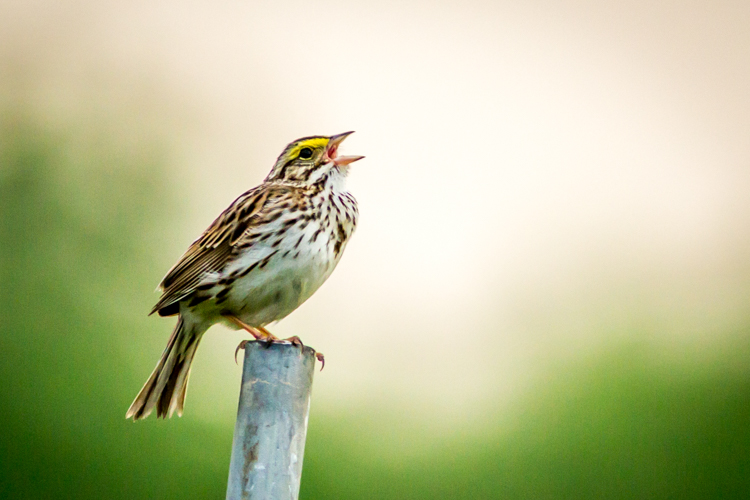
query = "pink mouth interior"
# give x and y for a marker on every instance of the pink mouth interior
(332, 152)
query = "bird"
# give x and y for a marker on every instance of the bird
(265, 255)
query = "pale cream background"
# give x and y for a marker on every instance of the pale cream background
(542, 180)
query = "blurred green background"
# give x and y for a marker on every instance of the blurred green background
(548, 295)
(78, 231)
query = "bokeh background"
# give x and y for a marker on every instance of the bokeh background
(548, 295)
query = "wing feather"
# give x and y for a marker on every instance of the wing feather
(210, 253)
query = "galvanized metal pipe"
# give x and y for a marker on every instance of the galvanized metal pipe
(271, 427)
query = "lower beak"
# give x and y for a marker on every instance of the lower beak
(332, 150)
(346, 160)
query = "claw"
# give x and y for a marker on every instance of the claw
(319, 356)
(242, 345)
(263, 335)
(295, 341)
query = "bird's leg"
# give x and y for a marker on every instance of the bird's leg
(295, 340)
(259, 333)
(269, 335)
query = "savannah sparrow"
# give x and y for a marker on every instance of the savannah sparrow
(256, 263)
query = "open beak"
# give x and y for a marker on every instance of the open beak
(332, 150)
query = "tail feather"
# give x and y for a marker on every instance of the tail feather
(165, 389)
(178, 400)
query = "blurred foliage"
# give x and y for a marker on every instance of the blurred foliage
(628, 425)
(81, 216)
(79, 212)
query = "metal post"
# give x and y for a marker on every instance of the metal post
(269, 436)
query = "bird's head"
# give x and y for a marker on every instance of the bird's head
(308, 160)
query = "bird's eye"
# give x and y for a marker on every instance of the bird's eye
(305, 153)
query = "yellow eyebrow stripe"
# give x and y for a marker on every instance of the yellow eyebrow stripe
(315, 143)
